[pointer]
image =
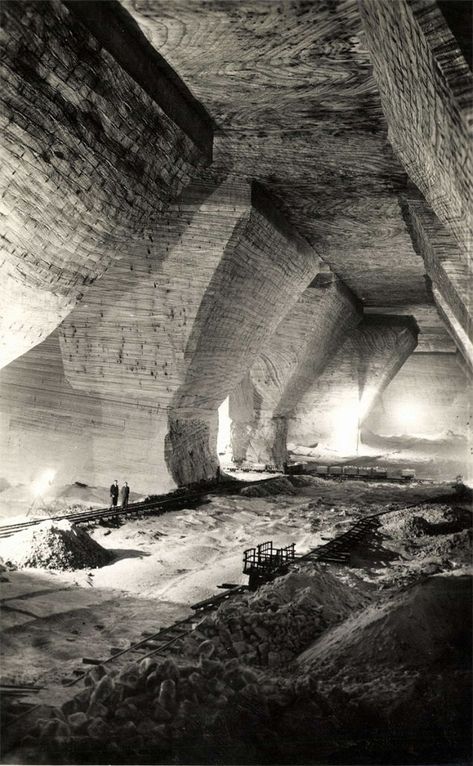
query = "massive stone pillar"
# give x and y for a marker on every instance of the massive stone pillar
(449, 270)
(98, 136)
(298, 351)
(179, 326)
(333, 409)
(426, 89)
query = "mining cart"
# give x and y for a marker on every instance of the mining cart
(264, 562)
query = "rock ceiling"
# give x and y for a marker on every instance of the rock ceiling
(291, 90)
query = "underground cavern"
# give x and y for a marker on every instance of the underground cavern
(236, 360)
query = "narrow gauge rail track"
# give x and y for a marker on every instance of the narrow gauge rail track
(160, 504)
(167, 640)
(18, 690)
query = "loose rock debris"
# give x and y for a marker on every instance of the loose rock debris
(54, 545)
(253, 683)
(214, 704)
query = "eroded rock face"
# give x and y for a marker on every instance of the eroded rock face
(297, 352)
(80, 184)
(335, 406)
(449, 270)
(417, 401)
(190, 447)
(177, 327)
(429, 126)
(46, 424)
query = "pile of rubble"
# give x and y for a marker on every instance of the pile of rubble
(357, 682)
(54, 545)
(279, 486)
(415, 522)
(166, 707)
(433, 532)
(271, 626)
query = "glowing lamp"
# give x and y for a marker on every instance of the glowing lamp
(40, 485)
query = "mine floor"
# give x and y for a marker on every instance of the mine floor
(51, 620)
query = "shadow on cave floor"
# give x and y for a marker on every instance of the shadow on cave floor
(372, 553)
(125, 553)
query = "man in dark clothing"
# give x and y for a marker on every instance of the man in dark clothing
(125, 494)
(114, 494)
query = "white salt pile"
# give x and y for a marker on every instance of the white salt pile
(411, 629)
(54, 545)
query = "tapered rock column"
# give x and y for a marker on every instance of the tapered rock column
(426, 88)
(293, 358)
(180, 326)
(98, 136)
(332, 410)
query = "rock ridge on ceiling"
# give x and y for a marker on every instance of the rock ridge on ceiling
(291, 90)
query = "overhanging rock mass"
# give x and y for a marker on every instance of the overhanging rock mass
(89, 161)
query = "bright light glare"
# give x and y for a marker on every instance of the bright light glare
(41, 484)
(224, 428)
(345, 429)
(407, 413)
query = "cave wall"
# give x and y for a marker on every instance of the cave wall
(80, 186)
(449, 270)
(425, 415)
(330, 412)
(179, 326)
(429, 126)
(434, 408)
(47, 424)
(293, 357)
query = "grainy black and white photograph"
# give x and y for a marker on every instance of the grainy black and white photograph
(236, 365)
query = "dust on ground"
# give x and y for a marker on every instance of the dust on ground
(163, 565)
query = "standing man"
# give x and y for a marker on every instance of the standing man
(114, 495)
(125, 494)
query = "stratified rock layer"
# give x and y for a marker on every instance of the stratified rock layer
(449, 270)
(297, 352)
(179, 326)
(46, 424)
(332, 411)
(418, 404)
(81, 186)
(425, 85)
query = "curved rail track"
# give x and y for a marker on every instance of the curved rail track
(168, 639)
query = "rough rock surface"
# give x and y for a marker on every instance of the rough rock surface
(297, 352)
(54, 545)
(80, 186)
(342, 396)
(430, 127)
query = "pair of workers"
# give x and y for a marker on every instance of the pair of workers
(124, 494)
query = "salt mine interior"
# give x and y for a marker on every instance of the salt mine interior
(236, 361)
